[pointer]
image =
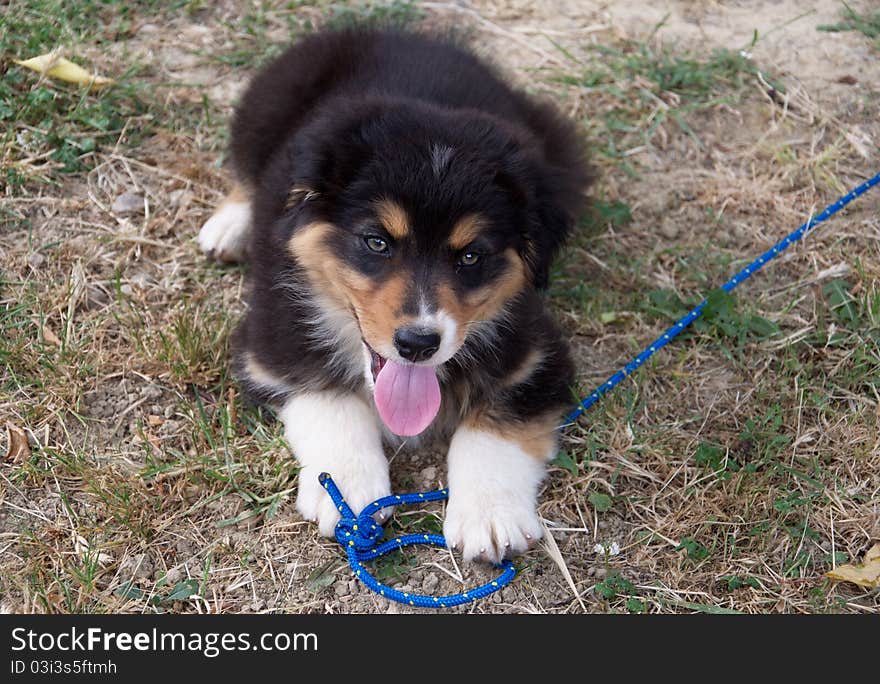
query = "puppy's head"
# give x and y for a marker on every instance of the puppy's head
(424, 226)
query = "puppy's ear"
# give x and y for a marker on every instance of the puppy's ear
(548, 198)
(327, 155)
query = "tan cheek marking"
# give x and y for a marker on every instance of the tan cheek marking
(374, 306)
(485, 303)
(309, 247)
(452, 305)
(465, 231)
(536, 437)
(376, 309)
(393, 218)
(490, 299)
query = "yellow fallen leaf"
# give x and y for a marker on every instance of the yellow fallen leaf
(17, 449)
(52, 64)
(865, 575)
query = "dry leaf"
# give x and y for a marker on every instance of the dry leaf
(17, 450)
(865, 575)
(49, 337)
(154, 420)
(85, 551)
(155, 442)
(52, 64)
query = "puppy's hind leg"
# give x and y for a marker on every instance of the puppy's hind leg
(224, 236)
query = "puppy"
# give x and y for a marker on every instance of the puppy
(400, 207)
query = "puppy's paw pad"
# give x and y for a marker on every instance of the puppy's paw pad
(224, 235)
(486, 532)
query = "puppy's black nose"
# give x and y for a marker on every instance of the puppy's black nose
(416, 345)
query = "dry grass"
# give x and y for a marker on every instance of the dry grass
(732, 472)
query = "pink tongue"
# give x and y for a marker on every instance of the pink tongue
(408, 397)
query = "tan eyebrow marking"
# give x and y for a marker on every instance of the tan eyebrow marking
(465, 231)
(393, 219)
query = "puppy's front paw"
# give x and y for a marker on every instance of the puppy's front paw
(358, 489)
(493, 494)
(338, 434)
(224, 236)
(490, 528)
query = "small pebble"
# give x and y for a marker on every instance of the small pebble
(95, 297)
(669, 230)
(36, 260)
(138, 565)
(128, 203)
(141, 279)
(429, 476)
(430, 584)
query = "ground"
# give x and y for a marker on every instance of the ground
(729, 474)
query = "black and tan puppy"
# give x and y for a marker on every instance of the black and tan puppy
(400, 206)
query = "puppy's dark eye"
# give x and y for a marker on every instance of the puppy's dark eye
(469, 259)
(377, 244)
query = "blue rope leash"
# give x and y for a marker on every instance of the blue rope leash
(359, 534)
(697, 311)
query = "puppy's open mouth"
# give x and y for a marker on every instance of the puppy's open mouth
(377, 362)
(407, 396)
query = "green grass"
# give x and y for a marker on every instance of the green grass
(867, 24)
(642, 88)
(250, 48)
(371, 13)
(767, 494)
(27, 361)
(51, 127)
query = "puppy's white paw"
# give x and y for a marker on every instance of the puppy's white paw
(337, 434)
(489, 528)
(224, 236)
(359, 489)
(493, 490)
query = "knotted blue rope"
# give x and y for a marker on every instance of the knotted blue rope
(359, 534)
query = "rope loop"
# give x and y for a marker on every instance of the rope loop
(360, 535)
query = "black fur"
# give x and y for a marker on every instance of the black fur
(356, 115)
